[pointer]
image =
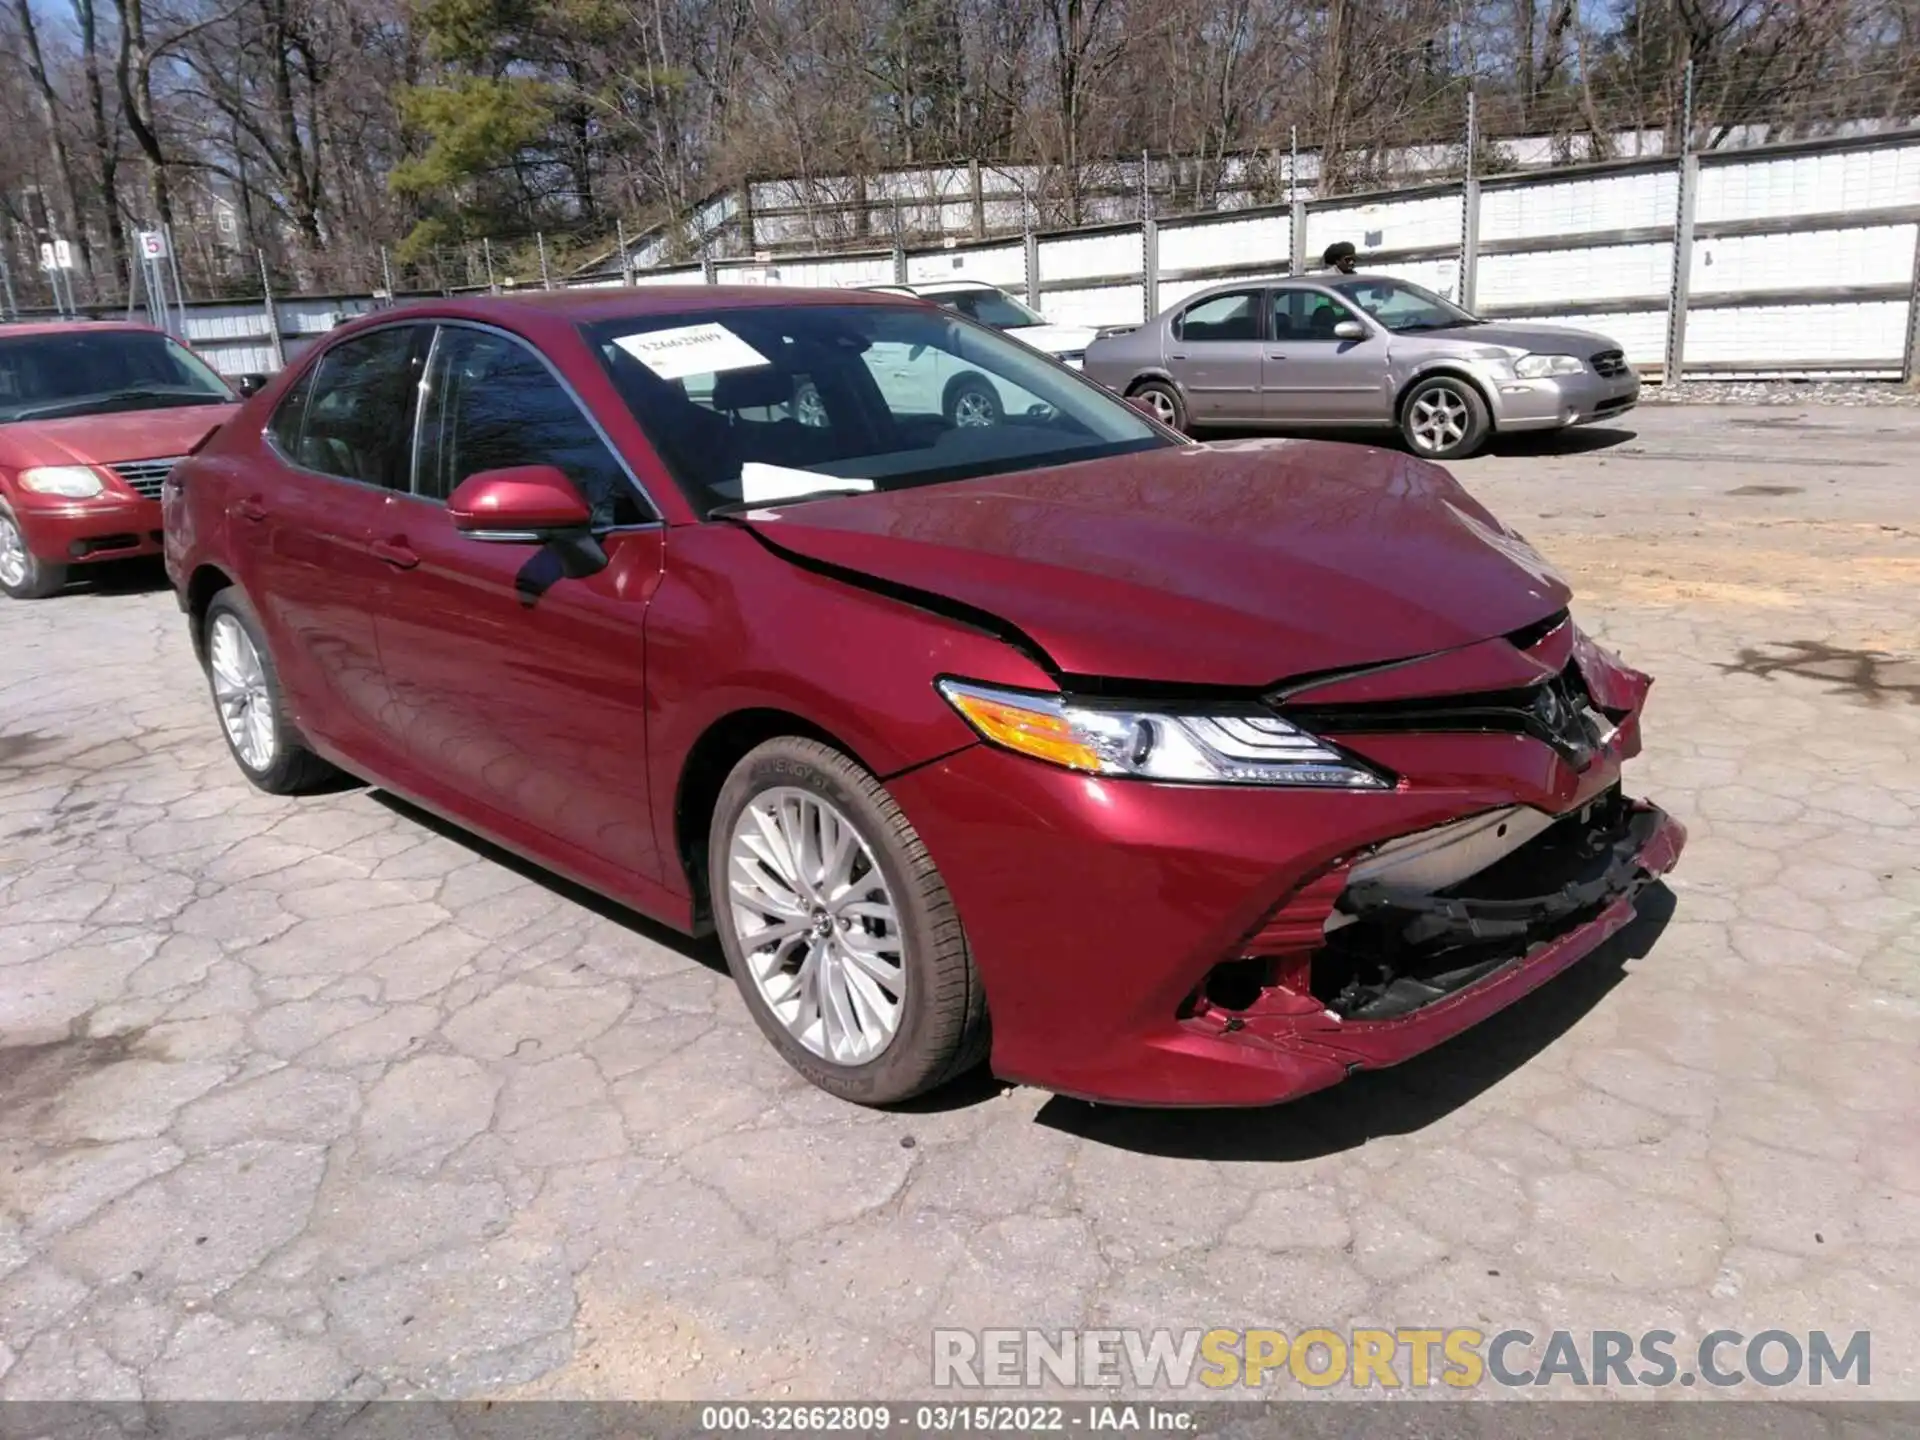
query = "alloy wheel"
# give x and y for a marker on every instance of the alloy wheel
(808, 408)
(1438, 419)
(240, 691)
(973, 409)
(13, 553)
(1161, 404)
(817, 923)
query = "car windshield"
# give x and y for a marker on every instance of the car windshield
(989, 307)
(80, 372)
(772, 403)
(1402, 307)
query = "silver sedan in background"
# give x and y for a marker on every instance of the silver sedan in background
(1361, 350)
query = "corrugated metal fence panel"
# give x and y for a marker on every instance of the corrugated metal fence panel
(690, 276)
(1099, 305)
(1578, 207)
(1431, 220)
(1868, 255)
(1440, 276)
(225, 322)
(1082, 256)
(1263, 240)
(1869, 335)
(1809, 184)
(1604, 272)
(233, 358)
(853, 270)
(1641, 333)
(1004, 265)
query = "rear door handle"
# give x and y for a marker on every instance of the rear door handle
(251, 508)
(396, 552)
(1276, 357)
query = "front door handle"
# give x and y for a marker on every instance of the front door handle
(1176, 357)
(250, 508)
(1276, 357)
(396, 552)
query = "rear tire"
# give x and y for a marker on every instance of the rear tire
(24, 575)
(1444, 418)
(1163, 401)
(864, 983)
(247, 697)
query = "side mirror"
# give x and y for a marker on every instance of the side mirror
(250, 385)
(1349, 330)
(527, 504)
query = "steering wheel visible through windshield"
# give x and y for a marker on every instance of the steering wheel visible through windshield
(1402, 307)
(82, 372)
(766, 403)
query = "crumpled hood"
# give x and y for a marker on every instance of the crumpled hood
(1236, 565)
(109, 439)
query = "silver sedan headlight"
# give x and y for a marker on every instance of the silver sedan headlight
(1227, 747)
(1539, 367)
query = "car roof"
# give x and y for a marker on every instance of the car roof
(611, 303)
(933, 287)
(73, 327)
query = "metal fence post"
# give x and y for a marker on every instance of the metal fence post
(979, 200)
(1297, 262)
(486, 249)
(546, 276)
(1673, 364)
(1033, 269)
(1468, 282)
(1150, 266)
(6, 286)
(386, 273)
(1910, 361)
(626, 256)
(273, 314)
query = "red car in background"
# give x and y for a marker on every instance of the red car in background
(1163, 773)
(92, 417)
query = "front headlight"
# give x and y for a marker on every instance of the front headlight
(1538, 367)
(1224, 747)
(75, 482)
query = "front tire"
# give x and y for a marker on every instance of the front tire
(252, 708)
(838, 929)
(1163, 402)
(1444, 418)
(24, 575)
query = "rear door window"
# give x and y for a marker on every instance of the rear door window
(359, 412)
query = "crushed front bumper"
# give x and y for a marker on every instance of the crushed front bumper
(1103, 914)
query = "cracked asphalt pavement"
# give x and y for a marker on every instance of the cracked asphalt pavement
(322, 1099)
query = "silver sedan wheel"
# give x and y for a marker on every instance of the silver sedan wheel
(240, 691)
(973, 409)
(1161, 404)
(808, 408)
(817, 924)
(13, 553)
(1438, 419)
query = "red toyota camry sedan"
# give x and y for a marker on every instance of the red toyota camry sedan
(1160, 773)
